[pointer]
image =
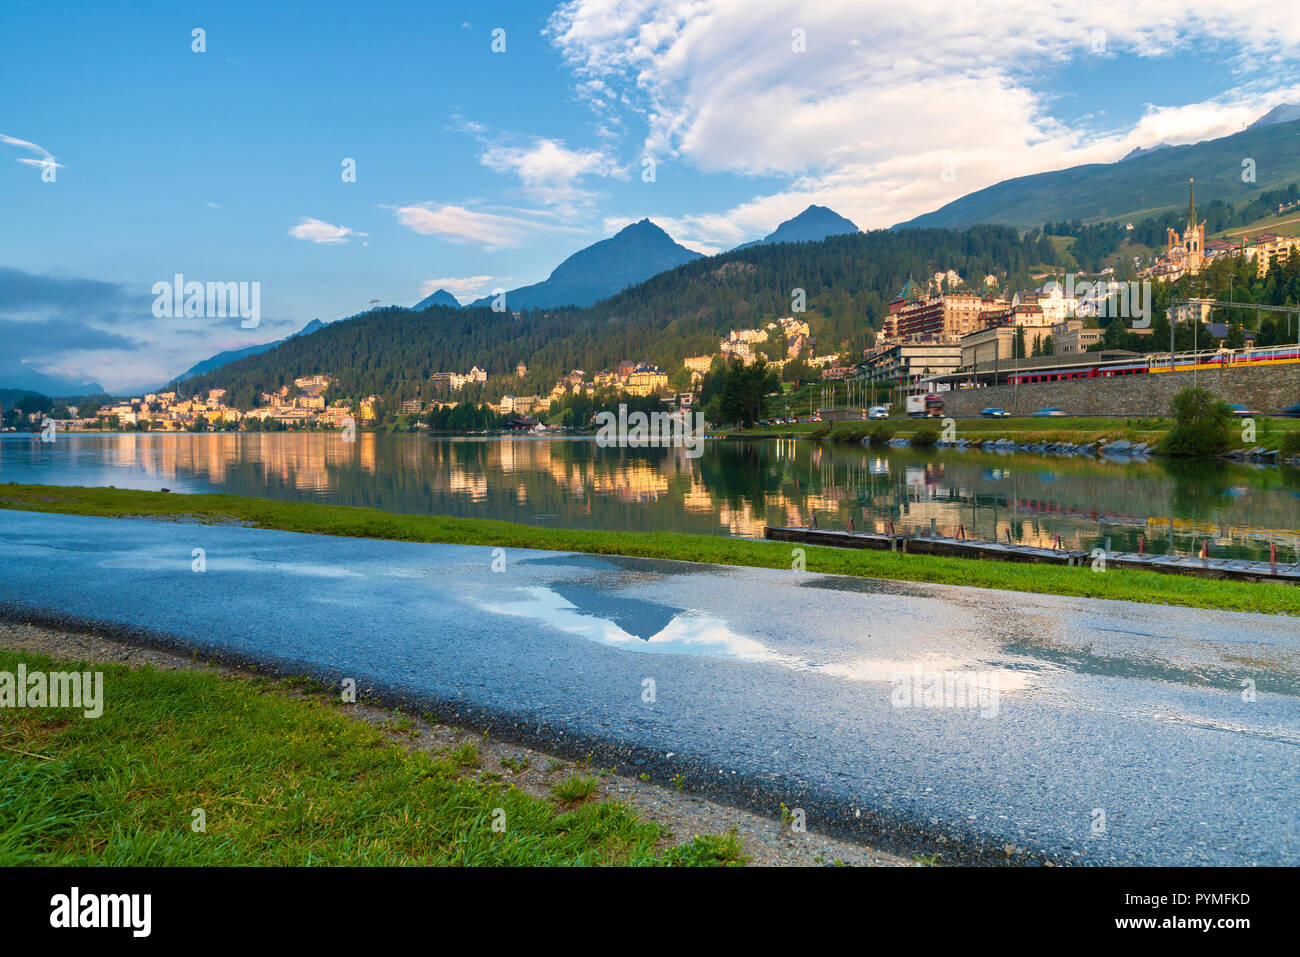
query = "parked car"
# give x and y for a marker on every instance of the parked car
(877, 412)
(1050, 411)
(994, 413)
(1243, 410)
(1291, 411)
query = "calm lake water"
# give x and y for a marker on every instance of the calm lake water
(734, 488)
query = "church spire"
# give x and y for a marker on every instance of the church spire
(1191, 202)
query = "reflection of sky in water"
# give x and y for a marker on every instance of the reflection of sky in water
(691, 633)
(222, 563)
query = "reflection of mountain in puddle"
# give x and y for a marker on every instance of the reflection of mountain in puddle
(616, 621)
(670, 631)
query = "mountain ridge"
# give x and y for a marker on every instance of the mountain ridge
(231, 355)
(634, 254)
(16, 375)
(1138, 186)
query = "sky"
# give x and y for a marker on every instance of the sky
(492, 140)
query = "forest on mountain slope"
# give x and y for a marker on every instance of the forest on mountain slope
(847, 281)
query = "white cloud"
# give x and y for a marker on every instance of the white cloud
(463, 287)
(47, 158)
(319, 231)
(493, 230)
(889, 93)
(25, 144)
(550, 171)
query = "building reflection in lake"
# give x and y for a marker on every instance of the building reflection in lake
(736, 487)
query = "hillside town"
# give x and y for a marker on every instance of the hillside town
(940, 332)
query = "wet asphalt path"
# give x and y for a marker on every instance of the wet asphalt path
(1076, 729)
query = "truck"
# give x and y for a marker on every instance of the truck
(930, 406)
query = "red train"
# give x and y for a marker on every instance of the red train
(1082, 368)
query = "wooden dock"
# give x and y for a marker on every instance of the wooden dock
(1221, 568)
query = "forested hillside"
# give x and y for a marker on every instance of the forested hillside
(847, 281)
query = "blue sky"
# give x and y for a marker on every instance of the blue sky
(478, 169)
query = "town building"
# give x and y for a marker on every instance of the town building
(1186, 252)
(941, 318)
(1192, 310)
(646, 380)
(904, 365)
(1270, 249)
(1073, 336)
(314, 384)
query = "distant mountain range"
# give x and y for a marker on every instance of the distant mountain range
(230, 355)
(632, 255)
(15, 375)
(812, 225)
(636, 253)
(440, 298)
(393, 353)
(1150, 182)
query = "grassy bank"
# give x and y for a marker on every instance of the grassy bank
(282, 779)
(1078, 429)
(1126, 584)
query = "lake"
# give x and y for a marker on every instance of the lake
(735, 488)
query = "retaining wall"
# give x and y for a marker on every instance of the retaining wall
(1268, 388)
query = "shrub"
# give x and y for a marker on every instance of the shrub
(1290, 445)
(881, 434)
(926, 435)
(1202, 425)
(820, 431)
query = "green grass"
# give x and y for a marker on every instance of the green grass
(1125, 584)
(1270, 430)
(574, 789)
(282, 780)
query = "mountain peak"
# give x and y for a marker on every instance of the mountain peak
(1144, 151)
(645, 224)
(812, 225)
(635, 253)
(440, 298)
(1283, 113)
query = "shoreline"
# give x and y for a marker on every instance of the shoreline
(349, 521)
